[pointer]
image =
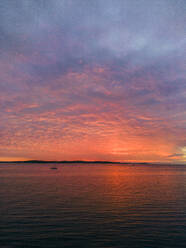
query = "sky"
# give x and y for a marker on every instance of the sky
(93, 80)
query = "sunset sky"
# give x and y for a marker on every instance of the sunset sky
(93, 80)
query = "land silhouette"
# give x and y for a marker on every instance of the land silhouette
(71, 162)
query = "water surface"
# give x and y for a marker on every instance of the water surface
(84, 205)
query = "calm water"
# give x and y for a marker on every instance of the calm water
(92, 206)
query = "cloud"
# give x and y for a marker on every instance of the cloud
(101, 78)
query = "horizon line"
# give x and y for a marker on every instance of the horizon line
(87, 161)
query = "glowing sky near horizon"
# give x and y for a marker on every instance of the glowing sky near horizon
(93, 80)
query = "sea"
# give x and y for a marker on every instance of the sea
(92, 205)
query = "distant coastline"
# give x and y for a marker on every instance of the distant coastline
(71, 162)
(88, 162)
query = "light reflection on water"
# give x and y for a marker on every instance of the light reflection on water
(92, 206)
